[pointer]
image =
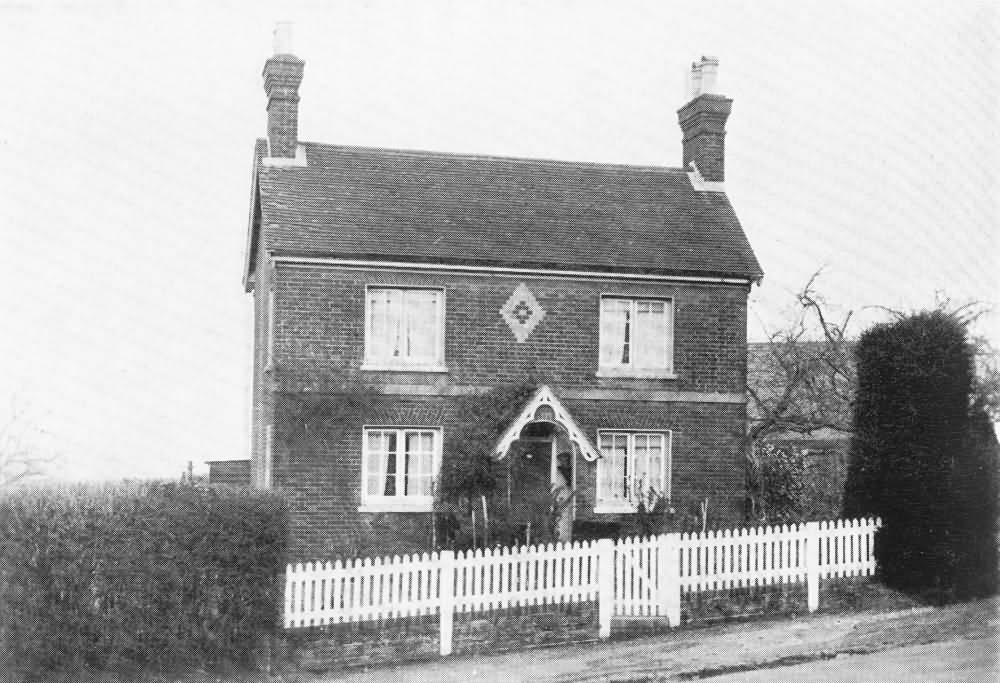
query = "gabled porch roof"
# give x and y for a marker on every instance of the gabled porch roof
(544, 406)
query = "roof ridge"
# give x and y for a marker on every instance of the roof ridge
(390, 151)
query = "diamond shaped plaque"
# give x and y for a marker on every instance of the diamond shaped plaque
(522, 312)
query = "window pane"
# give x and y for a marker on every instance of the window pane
(650, 346)
(394, 323)
(385, 324)
(422, 325)
(649, 461)
(640, 470)
(615, 331)
(606, 470)
(615, 469)
(377, 332)
(389, 464)
(375, 452)
(381, 467)
(403, 325)
(655, 463)
(419, 463)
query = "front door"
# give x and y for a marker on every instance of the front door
(545, 482)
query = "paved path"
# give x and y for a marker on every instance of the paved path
(720, 651)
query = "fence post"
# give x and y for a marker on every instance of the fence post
(446, 599)
(287, 616)
(605, 585)
(669, 577)
(811, 550)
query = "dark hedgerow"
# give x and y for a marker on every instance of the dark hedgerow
(151, 575)
(922, 459)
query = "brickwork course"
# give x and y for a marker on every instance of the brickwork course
(327, 222)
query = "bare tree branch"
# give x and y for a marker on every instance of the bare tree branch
(799, 385)
(22, 455)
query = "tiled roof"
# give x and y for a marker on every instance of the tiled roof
(353, 202)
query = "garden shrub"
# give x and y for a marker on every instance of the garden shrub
(922, 458)
(156, 575)
(787, 484)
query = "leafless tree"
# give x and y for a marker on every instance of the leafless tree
(802, 378)
(23, 454)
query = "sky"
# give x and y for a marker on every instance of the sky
(863, 141)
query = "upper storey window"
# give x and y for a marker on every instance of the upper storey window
(637, 337)
(404, 329)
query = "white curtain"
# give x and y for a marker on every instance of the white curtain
(615, 331)
(422, 325)
(614, 469)
(650, 337)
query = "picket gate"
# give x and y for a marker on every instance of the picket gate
(628, 578)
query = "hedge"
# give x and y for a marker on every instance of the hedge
(924, 458)
(152, 575)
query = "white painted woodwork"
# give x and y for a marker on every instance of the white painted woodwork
(630, 577)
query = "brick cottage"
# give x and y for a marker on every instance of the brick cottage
(390, 284)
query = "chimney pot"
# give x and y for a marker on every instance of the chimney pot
(282, 38)
(709, 74)
(695, 83)
(704, 74)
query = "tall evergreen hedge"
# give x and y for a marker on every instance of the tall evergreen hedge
(149, 575)
(923, 459)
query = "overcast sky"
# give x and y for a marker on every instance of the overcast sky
(862, 139)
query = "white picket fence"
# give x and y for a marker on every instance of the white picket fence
(631, 577)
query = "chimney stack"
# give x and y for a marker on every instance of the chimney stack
(703, 121)
(282, 77)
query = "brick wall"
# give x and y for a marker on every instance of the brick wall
(391, 641)
(320, 321)
(262, 410)
(318, 463)
(319, 347)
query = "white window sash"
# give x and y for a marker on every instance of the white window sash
(421, 465)
(622, 481)
(635, 337)
(404, 327)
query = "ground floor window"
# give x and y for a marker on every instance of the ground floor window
(400, 464)
(633, 465)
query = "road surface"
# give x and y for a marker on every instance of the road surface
(953, 661)
(953, 643)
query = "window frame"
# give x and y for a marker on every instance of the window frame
(630, 370)
(397, 503)
(437, 365)
(629, 505)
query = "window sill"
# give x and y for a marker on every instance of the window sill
(620, 509)
(378, 367)
(636, 374)
(396, 507)
(614, 508)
